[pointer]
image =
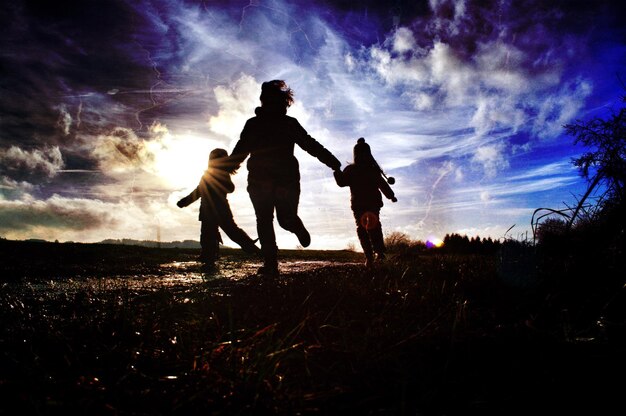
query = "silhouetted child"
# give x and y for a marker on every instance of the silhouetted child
(365, 179)
(215, 211)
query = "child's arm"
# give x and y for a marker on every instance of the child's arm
(242, 149)
(194, 195)
(183, 202)
(340, 178)
(229, 185)
(386, 189)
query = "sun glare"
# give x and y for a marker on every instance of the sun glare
(434, 242)
(181, 160)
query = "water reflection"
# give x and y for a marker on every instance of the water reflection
(178, 275)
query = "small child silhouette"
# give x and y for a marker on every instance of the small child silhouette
(365, 179)
(215, 210)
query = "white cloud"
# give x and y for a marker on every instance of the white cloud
(404, 41)
(494, 83)
(442, 22)
(560, 108)
(457, 80)
(399, 70)
(557, 168)
(235, 104)
(458, 174)
(491, 157)
(14, 189)
(492, 113)
(121, 151)
(64, 121)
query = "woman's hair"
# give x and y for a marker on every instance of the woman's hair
(276, 94)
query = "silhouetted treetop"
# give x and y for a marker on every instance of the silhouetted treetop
(605, 161)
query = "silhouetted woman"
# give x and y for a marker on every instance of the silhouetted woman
(365, 179)
(269, 139)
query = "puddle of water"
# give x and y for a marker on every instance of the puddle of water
(179, 275)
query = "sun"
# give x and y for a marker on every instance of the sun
(434, 242)
(180, 160)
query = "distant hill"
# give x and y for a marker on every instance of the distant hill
(150, 243)
(193, 244)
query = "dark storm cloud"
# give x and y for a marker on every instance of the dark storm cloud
(544, 31)
(368, 21)
(59, 60)
(53, 213)
(30, 165)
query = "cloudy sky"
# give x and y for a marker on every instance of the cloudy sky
(108, 109)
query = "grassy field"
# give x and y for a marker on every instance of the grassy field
(123, 330)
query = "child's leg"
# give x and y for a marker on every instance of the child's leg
(263, 203)
(209, 241)
(239, 236)
(287, 198)
(364, 237)
(376, 236)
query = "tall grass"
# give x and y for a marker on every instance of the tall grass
(420, 334)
